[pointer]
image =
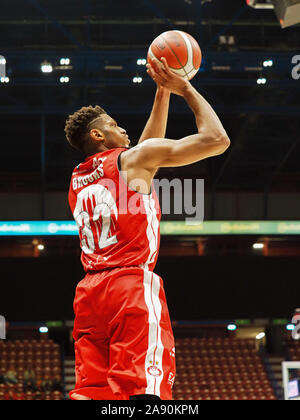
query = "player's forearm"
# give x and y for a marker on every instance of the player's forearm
(207, 120)
(157, 123)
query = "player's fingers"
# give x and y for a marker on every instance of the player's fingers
(155, 76)
(157, 65)
(154, 71)
(158, 80)
(165, 66)
(150, 70)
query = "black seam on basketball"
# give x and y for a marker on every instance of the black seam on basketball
(176, 54)
(192, 70)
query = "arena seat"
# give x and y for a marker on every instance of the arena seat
(220, 369)
(42, 356)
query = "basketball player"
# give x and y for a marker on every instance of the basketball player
(124, 345)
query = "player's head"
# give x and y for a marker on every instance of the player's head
(91, 130)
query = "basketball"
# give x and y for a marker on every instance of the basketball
(181, 51)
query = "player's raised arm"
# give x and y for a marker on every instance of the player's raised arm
(157, 123)
(210, 140)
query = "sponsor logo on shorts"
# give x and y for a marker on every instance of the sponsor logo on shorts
(154, 371)
(171, 379)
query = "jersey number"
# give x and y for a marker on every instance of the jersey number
(101, 215)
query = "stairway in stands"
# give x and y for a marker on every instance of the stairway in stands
(273, 365)
(69, 374)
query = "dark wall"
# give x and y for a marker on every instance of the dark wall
(231, 287)
(196, 288)
(38, 289)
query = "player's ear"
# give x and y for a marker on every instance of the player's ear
(96, 135)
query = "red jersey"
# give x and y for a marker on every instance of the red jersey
(118, 226)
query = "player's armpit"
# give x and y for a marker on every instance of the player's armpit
(156, 153)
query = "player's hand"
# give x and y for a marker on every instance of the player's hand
(151, 72)
(165, 77)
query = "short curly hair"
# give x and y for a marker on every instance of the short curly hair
(76, 127)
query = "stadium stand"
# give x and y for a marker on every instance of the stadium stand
(220, 369)
(211, 368)
(214, 369)
(30, 370)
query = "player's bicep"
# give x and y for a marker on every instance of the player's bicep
(155, 153)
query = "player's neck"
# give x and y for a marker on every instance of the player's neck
(94, 150)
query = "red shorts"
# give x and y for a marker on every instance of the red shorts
(124, 343)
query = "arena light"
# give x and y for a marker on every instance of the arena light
(137, 80)
(43, 330)
(268, 63)
(231, 327)
(4, 79)
(64, 61)
(260, 336)
(40, 247)
(258, 245)
(261, 81)
(46, 67)
(64, 79)
(141, 62)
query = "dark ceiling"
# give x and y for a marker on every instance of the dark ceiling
(103, 40)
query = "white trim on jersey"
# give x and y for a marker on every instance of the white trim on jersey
(153, 362)
(152, 230)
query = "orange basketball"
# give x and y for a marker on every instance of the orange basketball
(181, 51)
